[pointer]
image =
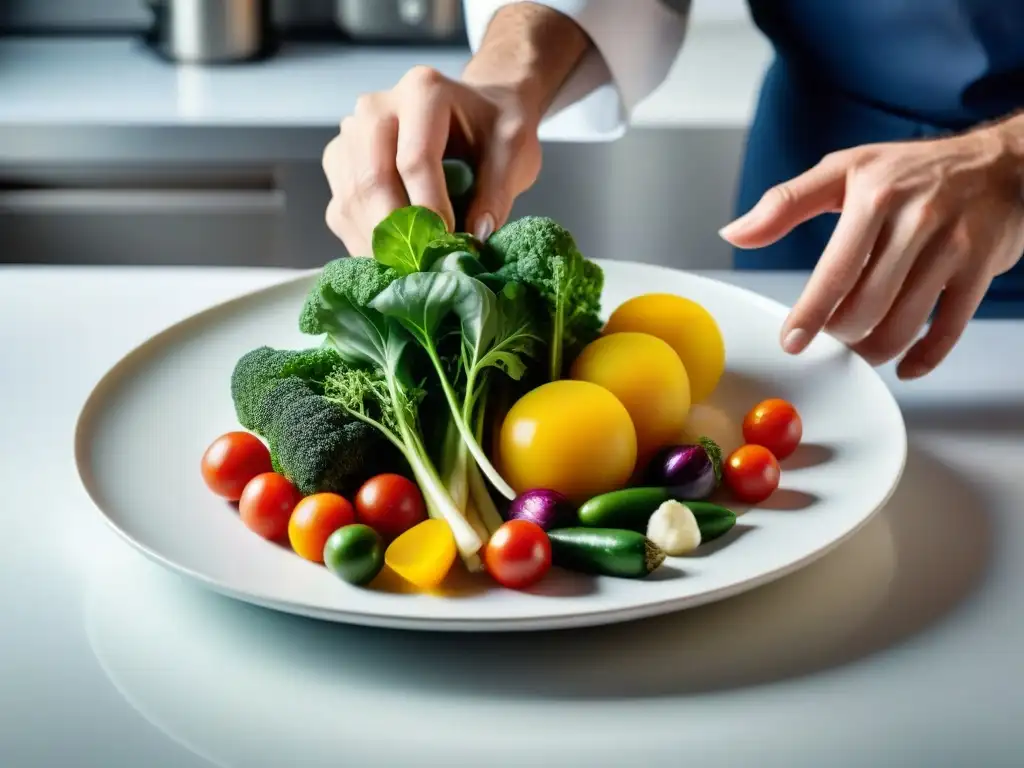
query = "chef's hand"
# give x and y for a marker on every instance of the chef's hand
(923, 225)
(388, 154)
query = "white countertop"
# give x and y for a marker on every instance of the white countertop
(115, 81)
(901, 647)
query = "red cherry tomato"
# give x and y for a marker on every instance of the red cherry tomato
(752, 473)
(231, 461)
(776, 425)
(390, 504)
(313, 521)
(267, 503)
(518, 554)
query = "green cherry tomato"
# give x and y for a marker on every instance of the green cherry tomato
(354, 553)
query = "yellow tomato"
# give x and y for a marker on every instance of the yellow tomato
(687, 327)
(573, 437)
(424, 554)
(647, 377)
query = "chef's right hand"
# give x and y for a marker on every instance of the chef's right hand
(388, 154)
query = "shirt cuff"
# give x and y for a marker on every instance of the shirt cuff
(635, 45)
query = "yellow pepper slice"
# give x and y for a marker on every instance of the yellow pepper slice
(424, 554)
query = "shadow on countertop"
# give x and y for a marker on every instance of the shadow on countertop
(883, 586)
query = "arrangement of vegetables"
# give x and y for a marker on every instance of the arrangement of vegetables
(464, 401)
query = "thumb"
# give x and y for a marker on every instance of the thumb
(507, 169)
(786, 205)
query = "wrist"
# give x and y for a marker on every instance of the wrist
(1005, 142)
(527, 53)
(506, 82)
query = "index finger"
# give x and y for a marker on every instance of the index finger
(424, 119)
(836, 273)
(786, 205)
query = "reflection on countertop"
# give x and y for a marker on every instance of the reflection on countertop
(204, 669)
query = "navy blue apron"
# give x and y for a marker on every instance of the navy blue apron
(851, 72)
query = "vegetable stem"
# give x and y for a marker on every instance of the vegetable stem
(481, 497)
(556, 344)
(479, 493)
(474, 447)
(434, 492)
(475, 521)
(391, 436)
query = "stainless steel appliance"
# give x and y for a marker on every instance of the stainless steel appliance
(211, 31)
(402, 20)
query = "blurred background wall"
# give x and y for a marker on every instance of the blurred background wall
(110, 154)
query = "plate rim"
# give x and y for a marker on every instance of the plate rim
(579, 619)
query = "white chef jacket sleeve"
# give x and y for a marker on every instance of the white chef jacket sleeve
(635, 45)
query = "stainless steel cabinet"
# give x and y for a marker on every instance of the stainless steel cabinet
(140, 216)
(656, 196)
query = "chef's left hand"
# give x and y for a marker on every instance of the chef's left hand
(923, 225)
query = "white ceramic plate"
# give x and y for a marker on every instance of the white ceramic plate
(144, 428)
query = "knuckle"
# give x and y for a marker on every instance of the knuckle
(512, 130)
(368, 105)
(327, 159)
(883, 343)
(780, 196)
(365, 183)
(835, 159)
(413, 161)
(881, 195)
(422, 77)
(513, 134)
(959, 242)
(382, 129)
(531, 165)
(333, 216)
(926, 215)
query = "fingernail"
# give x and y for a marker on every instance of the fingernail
(730, 228)
(795, 341)
(912, 370)
(737, 225)
(484, 227)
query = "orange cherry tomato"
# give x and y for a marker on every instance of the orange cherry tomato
(518, 554)
(774, 424)
(313, 521)
(390, 504)
(267, 503)
(231, 461)
(752, 473)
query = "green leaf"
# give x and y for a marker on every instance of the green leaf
(515, 336)
(446, 244)
(459, 261)
(714, 453)
(422, 301)
(361, 335)
(401, 239)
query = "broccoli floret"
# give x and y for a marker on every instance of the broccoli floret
(259, 370)
(318, 445)
(278, 394)
(541, 253)
(357, 279)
